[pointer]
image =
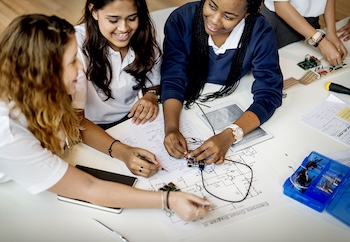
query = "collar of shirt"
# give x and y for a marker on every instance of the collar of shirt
(231, 41)
(128, 58)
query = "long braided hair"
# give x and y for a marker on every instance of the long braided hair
(199, 57)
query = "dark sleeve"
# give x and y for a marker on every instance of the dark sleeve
(263, 57)
(176, 50)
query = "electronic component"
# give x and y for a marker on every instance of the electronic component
(169, 187)
(324, 71)
(322, 184)
(192, 162)
(309, 62)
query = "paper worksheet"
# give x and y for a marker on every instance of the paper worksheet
(332, 118)
(229, 181)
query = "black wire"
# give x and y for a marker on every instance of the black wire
(226, 200)
(206, 117)
(235, 162)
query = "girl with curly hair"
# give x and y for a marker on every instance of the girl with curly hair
(38, 75)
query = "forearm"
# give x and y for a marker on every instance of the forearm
(172, 110)
(329, 17)
(80, 185)
(292, 17)
(248, 122)
(97, 138)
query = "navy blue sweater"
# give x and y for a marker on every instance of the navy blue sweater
(261, 59)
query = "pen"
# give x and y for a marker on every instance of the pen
(112, 231)
(146, 159)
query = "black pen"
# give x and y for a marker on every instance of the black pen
(146, 159)
(112, 231)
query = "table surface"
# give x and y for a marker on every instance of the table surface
(26, 217)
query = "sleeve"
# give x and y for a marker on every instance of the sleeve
(154, 74)
(80, 96)
(264, 59)
(176, 48)
(25, 161)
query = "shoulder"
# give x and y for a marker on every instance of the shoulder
(12, 129)
(261, 26)
(263, 38)
(80, 33)
(184, 14)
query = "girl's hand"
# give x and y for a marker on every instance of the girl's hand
(215, 148)
(145, 109)
(345, 32)
(175, 144)
(188, 206)
(333, 50)
(141, 162)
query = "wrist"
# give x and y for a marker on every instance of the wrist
(110, 149)
(237, 132)
(316, 38)
(154, 93)
(121, 152)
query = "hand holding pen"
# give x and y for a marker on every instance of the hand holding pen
(149, 160)
(141, 162)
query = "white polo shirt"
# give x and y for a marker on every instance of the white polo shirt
(92, 100)
(23, 159)
(306, 8)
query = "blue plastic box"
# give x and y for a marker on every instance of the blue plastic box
(321, 183)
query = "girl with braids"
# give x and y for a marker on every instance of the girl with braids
(120, 55)
(38, 73)
(218, 41)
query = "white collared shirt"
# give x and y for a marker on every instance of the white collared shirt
(92, 99)
(232, 40)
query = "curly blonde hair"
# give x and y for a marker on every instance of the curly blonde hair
(31, 73)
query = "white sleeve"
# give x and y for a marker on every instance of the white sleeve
(80, 96)
(154, 74)
(25, 161)
(306, 8)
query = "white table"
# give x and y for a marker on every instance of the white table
(24, 217)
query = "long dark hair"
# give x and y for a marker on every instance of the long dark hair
(199, 57)
(95, 47)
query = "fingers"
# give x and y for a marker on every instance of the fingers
(200, 212)
(212, 150)
(141, 167)
(345, 33)
(144, 111)
(176, 145)
(188, 206)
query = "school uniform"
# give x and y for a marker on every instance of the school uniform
(261, 60)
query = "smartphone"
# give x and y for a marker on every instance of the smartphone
(104, 175)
